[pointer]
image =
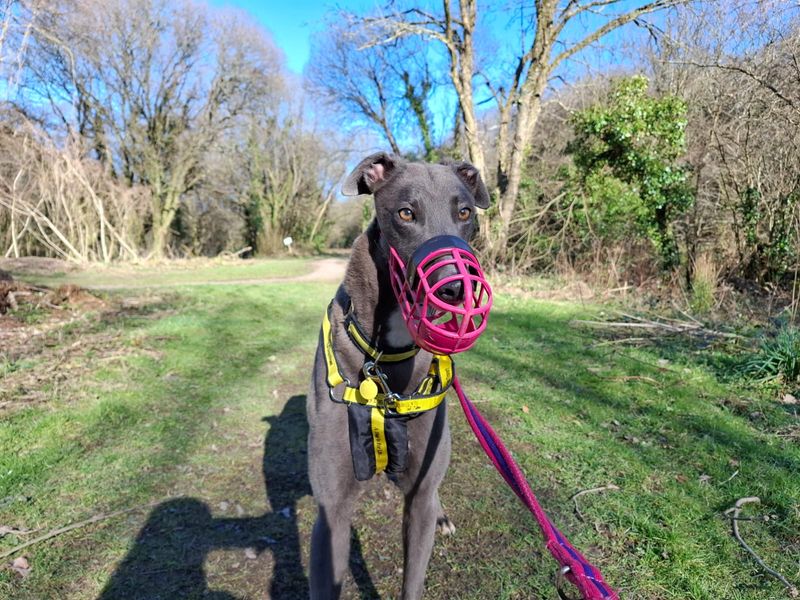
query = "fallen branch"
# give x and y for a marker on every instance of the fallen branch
(659, 325)
(577, 495)
(734, 511)
(685, 314)
(628, 340)
(95, 519)
(625, 325)
(229, 254)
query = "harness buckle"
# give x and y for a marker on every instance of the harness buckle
(390, 402)
(332, 396)
(560, 580)
(371, 370)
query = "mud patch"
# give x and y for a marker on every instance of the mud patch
(49, 337)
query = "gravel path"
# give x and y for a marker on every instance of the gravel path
(323, 270)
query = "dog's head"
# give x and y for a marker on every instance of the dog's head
(415, 202)
(426, 215)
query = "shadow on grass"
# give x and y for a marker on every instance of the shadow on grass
(168, 556)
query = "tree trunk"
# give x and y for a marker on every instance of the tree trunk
(529, 107)
(416, 100)
(502, 145)
(162, 225)
(462, 67)
(464, 75)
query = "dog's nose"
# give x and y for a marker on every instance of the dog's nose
(451, 292)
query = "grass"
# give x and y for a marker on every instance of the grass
(173, 273)
(704, 284)
(202, 410)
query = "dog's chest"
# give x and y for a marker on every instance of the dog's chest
(395, 333)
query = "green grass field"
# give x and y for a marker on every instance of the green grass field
(193, 405)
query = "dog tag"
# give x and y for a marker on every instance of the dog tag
(368, 389)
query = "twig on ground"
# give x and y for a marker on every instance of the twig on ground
(95, 519)
(575, 496)
(6, 530)
(733, 512)
(625, 378)
(623, 288)
(685, 314)
(628, 340)
(237, 253)
(735, 473)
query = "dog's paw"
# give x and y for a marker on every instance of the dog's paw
(445, 525)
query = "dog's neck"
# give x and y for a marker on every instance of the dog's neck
(368, 285)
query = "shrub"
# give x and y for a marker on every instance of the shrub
(626, 154)
(777, 359)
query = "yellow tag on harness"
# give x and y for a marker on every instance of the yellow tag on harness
(368, 389)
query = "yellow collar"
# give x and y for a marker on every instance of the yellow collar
(359, 339)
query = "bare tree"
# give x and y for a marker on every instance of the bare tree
(58, 202)
(742, 130)
(456, 33)
(18, 19)
(387, 87)
(152, 84)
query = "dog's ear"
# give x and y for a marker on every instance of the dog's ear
(371, 174)
(472, 179)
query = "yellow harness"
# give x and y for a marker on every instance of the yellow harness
(373, 391)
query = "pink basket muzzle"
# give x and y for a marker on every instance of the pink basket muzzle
(443, 294)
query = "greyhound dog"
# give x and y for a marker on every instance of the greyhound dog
(414, 202)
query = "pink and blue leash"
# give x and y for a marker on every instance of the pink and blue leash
(574, 566)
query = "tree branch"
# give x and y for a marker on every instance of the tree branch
(612, 25)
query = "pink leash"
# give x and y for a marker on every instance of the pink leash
(574, 567)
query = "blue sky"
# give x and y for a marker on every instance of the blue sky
(291, 22)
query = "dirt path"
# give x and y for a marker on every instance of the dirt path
(322, 270)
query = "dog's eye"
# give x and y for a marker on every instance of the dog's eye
(464, 213)
(406, 214)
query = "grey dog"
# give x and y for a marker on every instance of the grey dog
(413, 203)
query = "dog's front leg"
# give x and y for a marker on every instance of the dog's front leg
(330, 550)
(419, 528)
(429, 440)
(335, 489)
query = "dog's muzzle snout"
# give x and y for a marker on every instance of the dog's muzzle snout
(443, 294)
(451, 292)
(447, 282)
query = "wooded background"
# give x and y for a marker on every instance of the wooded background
(629, 140)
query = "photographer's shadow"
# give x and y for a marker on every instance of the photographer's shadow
(168, 556)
